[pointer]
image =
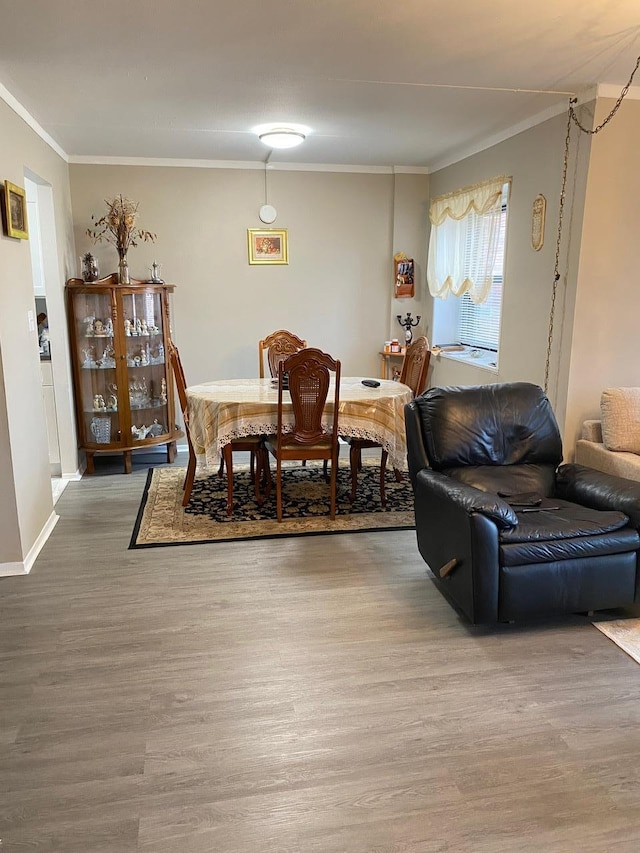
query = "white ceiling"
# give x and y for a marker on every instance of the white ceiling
(409, 83)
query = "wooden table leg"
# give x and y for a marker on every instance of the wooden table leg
(228, 458)
(127, 461)
(171, 451)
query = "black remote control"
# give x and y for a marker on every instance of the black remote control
(371, 383)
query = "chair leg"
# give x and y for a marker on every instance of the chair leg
(354, 464)
(221, 468)
(334, 485)
(228, 458)
(266, 473)
(188, 480)
(252, 465)
(383, 470)
(279, 488)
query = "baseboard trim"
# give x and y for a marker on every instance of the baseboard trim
(15, 569)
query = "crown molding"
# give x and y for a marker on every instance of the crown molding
(258, 165)
(411, 170)
(26, 116)
(608, 90)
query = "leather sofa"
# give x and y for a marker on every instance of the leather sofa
(510, 533)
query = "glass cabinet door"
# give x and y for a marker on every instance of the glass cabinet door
(143, 335)
(96, 359)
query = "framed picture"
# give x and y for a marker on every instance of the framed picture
(268, 246)
(15, 210)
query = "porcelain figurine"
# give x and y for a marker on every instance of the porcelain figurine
(127, 328)
(163, 390)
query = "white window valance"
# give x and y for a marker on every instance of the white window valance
(465, 228)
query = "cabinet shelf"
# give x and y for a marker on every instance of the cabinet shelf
(153, 405)
(102, 367)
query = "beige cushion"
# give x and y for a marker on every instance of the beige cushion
(592, 431)
(621, 419)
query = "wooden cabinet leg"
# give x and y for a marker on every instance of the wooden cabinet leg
(171, 451)
(127, 461)
(90, 469)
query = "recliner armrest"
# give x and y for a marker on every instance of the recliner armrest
(598, 490)
(468, 498)
(416, 452)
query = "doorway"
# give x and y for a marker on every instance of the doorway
(50, 317)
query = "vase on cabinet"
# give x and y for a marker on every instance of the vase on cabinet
(123, 271)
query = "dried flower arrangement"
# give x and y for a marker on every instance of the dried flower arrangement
(117, 226)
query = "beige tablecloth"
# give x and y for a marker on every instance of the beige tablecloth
(233, 408)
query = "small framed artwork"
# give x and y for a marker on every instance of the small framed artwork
(537, 222)
(268, 246)
(15, 211)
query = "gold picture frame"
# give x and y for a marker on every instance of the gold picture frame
(268, 245)
(15, 211)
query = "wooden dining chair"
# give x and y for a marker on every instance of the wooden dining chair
(278, 345)
(253, 444)
(414, 374)
(181, 385)
(309, 372)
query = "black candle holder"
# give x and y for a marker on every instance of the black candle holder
(408, 324)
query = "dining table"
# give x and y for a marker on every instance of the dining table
(228, 409)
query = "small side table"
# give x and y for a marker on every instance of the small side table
(387, 364)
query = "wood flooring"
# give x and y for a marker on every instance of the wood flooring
(308, 695)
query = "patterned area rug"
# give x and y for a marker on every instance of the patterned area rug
(624, 633)
(163, 521)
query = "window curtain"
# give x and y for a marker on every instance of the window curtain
(465, 229)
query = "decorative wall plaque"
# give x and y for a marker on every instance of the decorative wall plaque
(537, 222)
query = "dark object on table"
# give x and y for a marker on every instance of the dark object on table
(466, 446)
(371, 383)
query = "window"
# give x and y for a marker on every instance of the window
(468, 265)
(479, 324)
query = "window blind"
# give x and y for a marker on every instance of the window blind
(479, 324)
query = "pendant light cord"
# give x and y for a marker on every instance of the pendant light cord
(573, 118)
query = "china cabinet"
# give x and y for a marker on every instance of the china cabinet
(122, 377)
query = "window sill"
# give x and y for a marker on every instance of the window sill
(473, 357)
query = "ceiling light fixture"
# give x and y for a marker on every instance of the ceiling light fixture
(282, 137)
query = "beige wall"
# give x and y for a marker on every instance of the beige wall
(534, 160)
(605, 351)
(23, 438)
(410, 231)
(336, 290)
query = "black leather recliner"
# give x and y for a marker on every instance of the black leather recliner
(508, 534)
